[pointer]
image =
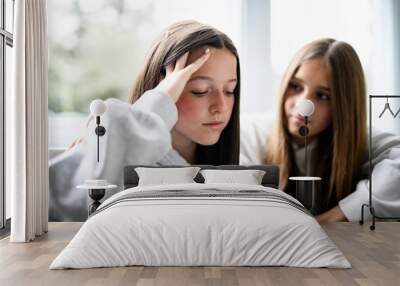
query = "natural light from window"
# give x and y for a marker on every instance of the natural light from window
(295, 23)
(97, 47)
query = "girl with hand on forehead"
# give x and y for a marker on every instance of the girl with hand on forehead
(329, 73)
(183, 109)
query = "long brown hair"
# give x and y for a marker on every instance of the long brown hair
(175, 41)
(342, 145)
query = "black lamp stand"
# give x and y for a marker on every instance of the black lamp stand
(304, 132)
(100, 131)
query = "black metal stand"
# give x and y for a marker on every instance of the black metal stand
(96, 195)
(304, 132)
(100, 131)
(369, 205)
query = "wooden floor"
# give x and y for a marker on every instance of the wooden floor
(374, 255)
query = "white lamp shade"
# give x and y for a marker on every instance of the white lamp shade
(305, 107)
(97, 107)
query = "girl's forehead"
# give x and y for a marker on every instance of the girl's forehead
(221, 66)
(314, 71)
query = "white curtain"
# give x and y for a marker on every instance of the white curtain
(28, 123)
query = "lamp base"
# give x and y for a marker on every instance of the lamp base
(96, 195)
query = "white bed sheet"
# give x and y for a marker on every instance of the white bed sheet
(200, 231)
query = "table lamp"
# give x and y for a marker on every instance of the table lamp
(305, 108)
(307, 187)
(97, 188)
(97, 109)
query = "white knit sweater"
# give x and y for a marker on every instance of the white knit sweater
(135, 134)
(385, 162)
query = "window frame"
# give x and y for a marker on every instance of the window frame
(6, 39)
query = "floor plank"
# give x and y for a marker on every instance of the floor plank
(374, 255)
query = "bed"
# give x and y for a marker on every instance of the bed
(201, 224)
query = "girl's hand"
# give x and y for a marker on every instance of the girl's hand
(333, 215)
(176, 77)
(76, 142)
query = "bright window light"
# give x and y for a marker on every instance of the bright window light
(295, 23)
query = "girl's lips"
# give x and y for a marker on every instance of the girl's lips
(298, 120)
(214, 125)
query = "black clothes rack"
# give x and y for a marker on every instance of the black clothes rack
(369, 205)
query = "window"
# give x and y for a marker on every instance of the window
(97, 47)
(275, 29)
(367, 25)
(6, 43)
(349, 21)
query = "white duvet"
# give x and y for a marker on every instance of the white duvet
(207, 230)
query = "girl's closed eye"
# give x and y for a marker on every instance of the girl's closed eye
(199, 92)
(199, 89)
(229, 89)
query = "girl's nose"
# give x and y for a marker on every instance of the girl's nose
(218, 102)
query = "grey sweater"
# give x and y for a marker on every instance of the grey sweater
(135, 134)
(385, 163)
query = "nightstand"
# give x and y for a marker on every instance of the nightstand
(96, 193)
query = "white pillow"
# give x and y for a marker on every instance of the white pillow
(163, 176)
(248, 177)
